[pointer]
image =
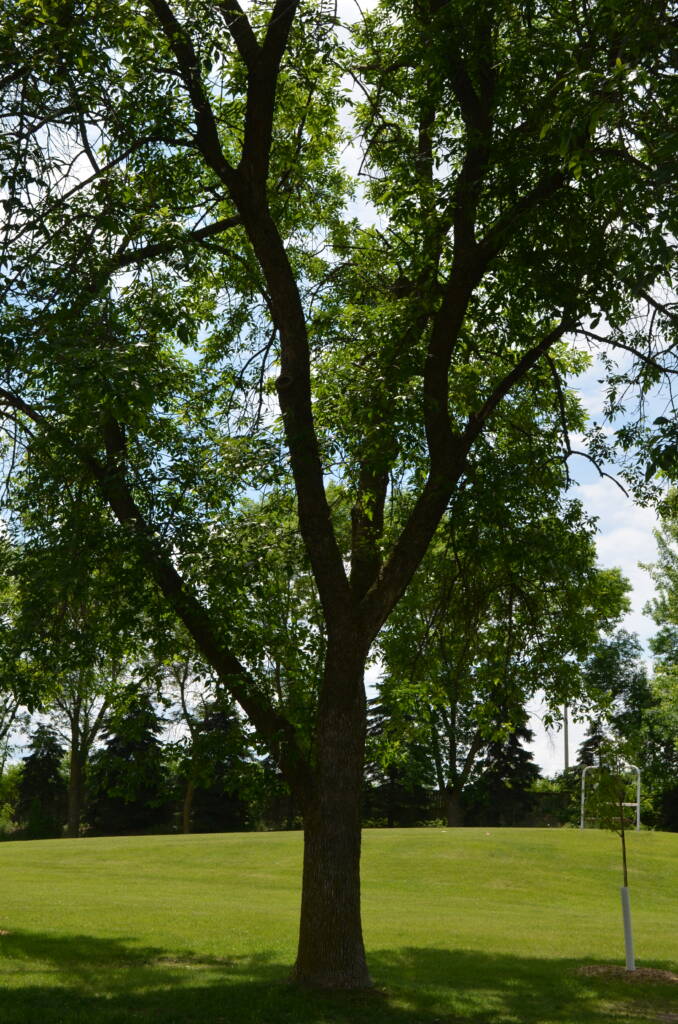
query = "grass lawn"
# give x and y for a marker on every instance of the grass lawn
(473, 925)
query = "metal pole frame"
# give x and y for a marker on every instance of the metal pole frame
(631, 767)
(637, 771)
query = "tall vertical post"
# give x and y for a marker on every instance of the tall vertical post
(628, 934)
(566, 736)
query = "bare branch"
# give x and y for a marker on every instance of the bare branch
(616, 343)
(153, 249)
(477, 419)
(661, 307)
(601, 472)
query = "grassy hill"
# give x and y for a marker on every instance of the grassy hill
(486, 926)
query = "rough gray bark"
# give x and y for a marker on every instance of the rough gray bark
(454, 812)
(76, 791)
(187, 806)
(331, 952)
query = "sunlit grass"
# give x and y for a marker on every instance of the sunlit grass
(472, 925)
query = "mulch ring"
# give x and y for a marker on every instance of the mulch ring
(3, 932)
(640, 973)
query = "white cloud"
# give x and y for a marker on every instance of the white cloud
(625, 540)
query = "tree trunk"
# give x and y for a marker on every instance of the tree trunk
(331, 952)
(187, 807)
(454, 811)
(291, 811)
(390, 800)
(76, 780)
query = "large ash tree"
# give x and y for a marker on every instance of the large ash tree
(191, 314)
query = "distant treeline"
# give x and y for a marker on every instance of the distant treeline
(137, 781)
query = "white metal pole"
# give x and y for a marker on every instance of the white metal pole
(628, 934)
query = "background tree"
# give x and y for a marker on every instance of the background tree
(9, 709)
(178, 247)
(68, 640)
(398, 768)
(212, 759)
(9, 700)
(624, 711)
(226, 783)
(41, 807)
(127, 779)
(80, 703)
(501, 793)
(611, 666)
(659, 728)
(507, 602)
(10, 780)
(664, 607)
(589, 748)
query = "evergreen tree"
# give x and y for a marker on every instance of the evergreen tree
(128, 788)
(589, 748)
(502, 794)
(398, 772)
(41, 807)
(222, 771)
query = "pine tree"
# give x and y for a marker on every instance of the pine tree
(501, 795)
(399, 778)
(41, 806)
(222, 771)
(589, 748)
(128, 790)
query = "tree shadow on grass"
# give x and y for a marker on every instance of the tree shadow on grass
(497, 988)
(79, 979)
